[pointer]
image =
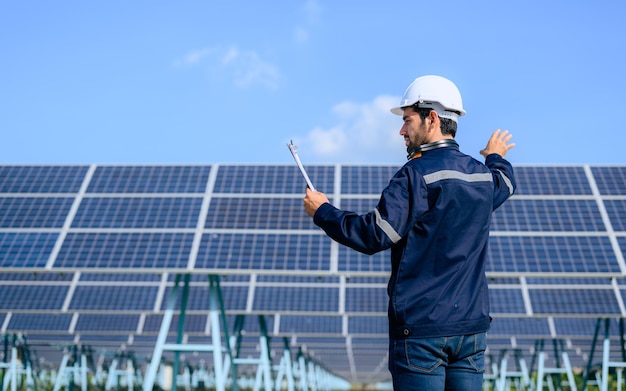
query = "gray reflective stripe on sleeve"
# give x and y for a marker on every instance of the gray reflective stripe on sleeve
(451, 174)
(507, 181)
(386, 227)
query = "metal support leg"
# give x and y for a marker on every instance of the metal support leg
(153, 368)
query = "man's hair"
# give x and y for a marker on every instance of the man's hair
(448, 126)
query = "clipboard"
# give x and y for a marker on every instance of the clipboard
(294, 152)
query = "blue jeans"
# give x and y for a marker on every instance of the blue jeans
(438, 363)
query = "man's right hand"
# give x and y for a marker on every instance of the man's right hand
(313, 200)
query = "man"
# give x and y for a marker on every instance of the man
(434, 215)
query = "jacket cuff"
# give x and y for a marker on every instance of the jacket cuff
(318, 217)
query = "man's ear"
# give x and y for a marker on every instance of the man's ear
(435, 122)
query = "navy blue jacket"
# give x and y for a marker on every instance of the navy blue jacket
(434, 215)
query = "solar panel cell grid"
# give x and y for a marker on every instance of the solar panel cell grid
(48, 322)
(150, 212)
(364, 300)
(368, 325)
(41, 179)
(547, 216)
(121, 277)
(264, 251)
(610, 180)
(34, 212)
(272, 179)
(506, 301)
(234, 297)
(616, 209)
(113, 298)
(125, 250)
(149, 179)
(551, 254)
(352, 261)
(296, 299)
(194, 323)
(575, 327)
(258, 213)
(26, 249)
(568, 281)
(27, 277)
(599, 302)
(107, 322)
(269, 278)
(366, 179)
(359, 205)
(310, 324)
(32, 297)
(367, 280)
(551, 181)
(519, 326)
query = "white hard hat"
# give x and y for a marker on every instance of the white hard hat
(435, 92)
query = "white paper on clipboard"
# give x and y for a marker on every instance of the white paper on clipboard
(294, 151)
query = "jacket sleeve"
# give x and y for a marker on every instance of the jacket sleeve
(401, 203)
(503, 179)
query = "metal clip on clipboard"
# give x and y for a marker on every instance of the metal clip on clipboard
(294, 151)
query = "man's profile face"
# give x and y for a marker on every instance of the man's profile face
(413, 129)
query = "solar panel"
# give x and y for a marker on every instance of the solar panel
(351, 261)
(542, 180)
(507, 301)
(520, 326)
(271, 179)
(137, 212)
(583, 326)
(616, 210)
(43, 322)
(610, 180)
(107, 322)
(366, 299)
(41, 179)
(366, 179)
(30, 212)
(264, 252)
(297, 299)
(149, 179)
(552, 254)
(368, 325)
(258, 213)
(120, 277)
(115, 250)
(600, 302)
(194, 323)
(298, 324)
(548, 215)
(92, 252)
(113, 298)
(32, 297)
(296, 279)
(26, 249)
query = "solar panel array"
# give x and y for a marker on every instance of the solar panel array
(89, 254)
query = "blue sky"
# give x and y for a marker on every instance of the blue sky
(233, 81)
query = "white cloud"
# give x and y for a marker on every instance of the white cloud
(244, 67)
(193, 57)
(328, 142)
(364, 132)
(311, 12)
